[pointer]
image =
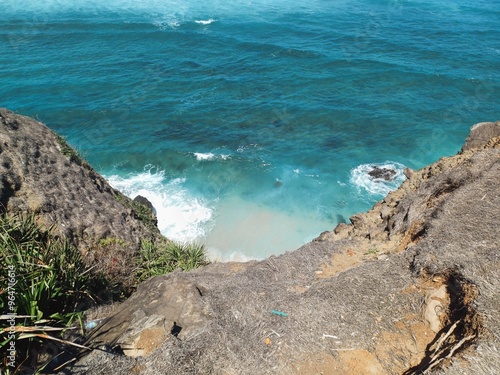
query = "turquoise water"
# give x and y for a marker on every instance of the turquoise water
(251, 125)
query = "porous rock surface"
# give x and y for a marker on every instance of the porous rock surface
(36, 176)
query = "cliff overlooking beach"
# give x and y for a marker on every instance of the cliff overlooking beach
(408, 287)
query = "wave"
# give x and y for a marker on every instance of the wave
(204, 156)
(200, 156)
(205, 22)
(181, 216)
(170, 23)
(361, 178)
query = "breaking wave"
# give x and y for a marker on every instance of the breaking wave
(361, 178)
(181, 216)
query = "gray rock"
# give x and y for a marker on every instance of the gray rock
(163, 308)
(145, 202)
(480, 134)
(41, 174)
(382, 173)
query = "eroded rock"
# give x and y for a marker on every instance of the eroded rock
(480, 134)
(164, 308)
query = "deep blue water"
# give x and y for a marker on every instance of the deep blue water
(251, 125)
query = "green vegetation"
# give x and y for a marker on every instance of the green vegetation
(141, 212)
(161, 259)
(45, 281)
(371, 251)
(48, 284)
(111, 241)
(71, 153)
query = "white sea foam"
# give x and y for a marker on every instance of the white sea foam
(167, 24)
(181, 216)
(205, 22)
(377, 186)
(210, 156)
(204, 156)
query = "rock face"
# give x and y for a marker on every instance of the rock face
(41, 174)
(146, 321)
(408, 287)
(481, 134)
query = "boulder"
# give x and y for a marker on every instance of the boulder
(146, 203)
(164, 308)
(480, 134)
(382, 173)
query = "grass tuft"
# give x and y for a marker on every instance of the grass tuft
(71, 153)
(159, 259)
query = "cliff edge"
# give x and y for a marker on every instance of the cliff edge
(409, 287)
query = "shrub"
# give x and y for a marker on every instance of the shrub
(46, 282)
(112, 261)
(53, 285)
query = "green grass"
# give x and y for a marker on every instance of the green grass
(371, 251)
(159, 259)
(71, 153)
(44, 279)
(53, 285)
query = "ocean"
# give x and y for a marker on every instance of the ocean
(251, 125)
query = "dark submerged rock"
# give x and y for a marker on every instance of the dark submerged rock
(382, 173)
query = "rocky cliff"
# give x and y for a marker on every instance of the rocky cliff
(42, 175)
(408, 287)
